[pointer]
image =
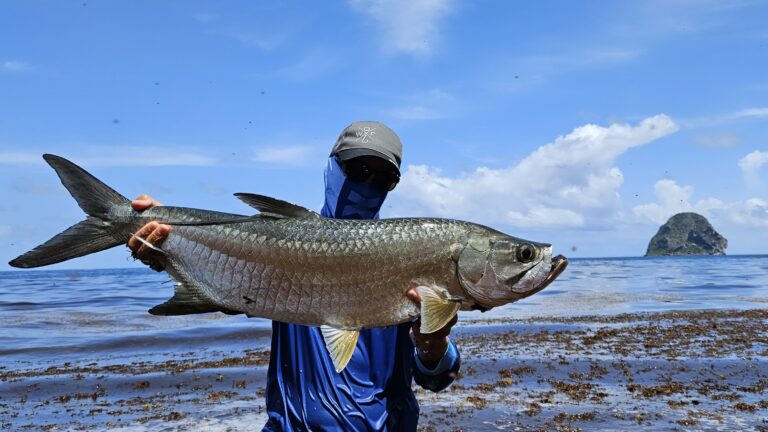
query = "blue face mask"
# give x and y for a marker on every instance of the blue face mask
(347, 199)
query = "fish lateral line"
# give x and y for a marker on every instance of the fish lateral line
(221, 222)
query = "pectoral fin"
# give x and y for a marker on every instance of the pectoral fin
(438, 307)
(341, 344)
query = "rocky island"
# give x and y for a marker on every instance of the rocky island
(687, 234)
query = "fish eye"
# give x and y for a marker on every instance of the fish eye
(526, 253)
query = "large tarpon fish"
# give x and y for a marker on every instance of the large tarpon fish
(290, 264)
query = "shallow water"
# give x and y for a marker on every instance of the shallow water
(73, 343)
(79, 313)
(608, 286)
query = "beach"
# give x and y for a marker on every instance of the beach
(653, 360)
(692, 370)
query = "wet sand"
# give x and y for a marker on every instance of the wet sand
(691, 370)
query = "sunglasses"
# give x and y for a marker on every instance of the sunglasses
(358, 170)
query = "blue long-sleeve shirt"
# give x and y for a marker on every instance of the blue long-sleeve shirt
(373, 393)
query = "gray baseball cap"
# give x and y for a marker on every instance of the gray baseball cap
(369, 138)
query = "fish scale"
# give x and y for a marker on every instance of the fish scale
(365, 263)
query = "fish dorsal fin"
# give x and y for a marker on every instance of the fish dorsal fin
(272, 207)
(341, 344)
(438, 307)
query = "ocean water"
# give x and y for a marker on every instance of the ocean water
(78, 351)
(76, 315)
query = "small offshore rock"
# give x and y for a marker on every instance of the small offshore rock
(687, 234)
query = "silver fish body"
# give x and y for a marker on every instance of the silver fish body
(289, 264)
(317, 271)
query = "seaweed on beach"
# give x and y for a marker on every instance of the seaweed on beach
(702, 369)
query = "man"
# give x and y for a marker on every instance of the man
(374, 391)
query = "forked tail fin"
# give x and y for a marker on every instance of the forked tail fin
(94, 234)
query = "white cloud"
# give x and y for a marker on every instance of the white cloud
(751, 166)
(144, 156)
(673, 199)
(671, 194)
(20, 158)
(408, 26)
(118, 156)
(545, 217)
(751, 163)
(571, 182)
(717, 140)
(285, 155)
(14, 66)
(750, 112)
(752, 213)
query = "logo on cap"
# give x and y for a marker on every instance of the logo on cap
(364, 133)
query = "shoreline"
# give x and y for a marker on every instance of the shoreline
(655, 370)
(142, 268)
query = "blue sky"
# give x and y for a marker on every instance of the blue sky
(583, 124)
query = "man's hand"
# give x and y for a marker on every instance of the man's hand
(430, 347)
(153, 233)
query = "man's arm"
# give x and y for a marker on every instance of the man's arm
(153, 233)
(436, 358)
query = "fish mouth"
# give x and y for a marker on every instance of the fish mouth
(559, 263)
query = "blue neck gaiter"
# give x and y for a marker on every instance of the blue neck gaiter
(347, 199)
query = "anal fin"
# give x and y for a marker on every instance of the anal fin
(186, 302)
(341, 344)
(438, 307)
